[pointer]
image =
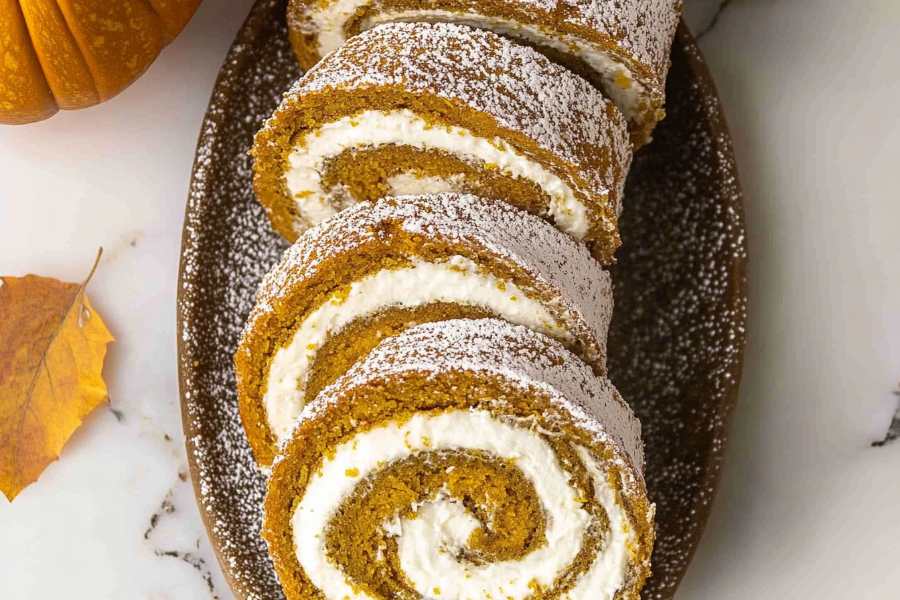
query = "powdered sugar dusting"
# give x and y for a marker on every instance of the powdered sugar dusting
(526, 359)
(642, 29)
(557, 263)
(517, 86)
(221, 267)
(677, 337)
(675, 341)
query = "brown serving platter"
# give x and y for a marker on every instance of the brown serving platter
(677, 337)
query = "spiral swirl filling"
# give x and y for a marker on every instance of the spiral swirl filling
(463, 504)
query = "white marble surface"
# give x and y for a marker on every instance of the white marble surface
(807, 508)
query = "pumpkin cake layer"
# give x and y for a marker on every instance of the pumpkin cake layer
(377, 268)
(464, 459)
(622, 47)
(409, 108)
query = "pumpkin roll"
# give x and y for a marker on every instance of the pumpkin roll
(622, 47)
(378, 268)
(465, 459)
(410, 108)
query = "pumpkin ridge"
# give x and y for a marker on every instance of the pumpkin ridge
(43, 104)
(71, 54)
(81, 52)
(55, 74)
(119, 40)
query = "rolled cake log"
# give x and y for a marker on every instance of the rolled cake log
(622, 47)
(465, 459)
(420, 108)
(376, 269)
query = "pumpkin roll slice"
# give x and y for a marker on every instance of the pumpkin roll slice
(622, 47)
(375, 269)
(411, 108)
(464, 459)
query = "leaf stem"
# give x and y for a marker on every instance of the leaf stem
(93, 268)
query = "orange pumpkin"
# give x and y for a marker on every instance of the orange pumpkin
(66, 54)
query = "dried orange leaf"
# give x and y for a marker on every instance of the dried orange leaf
(52, 347)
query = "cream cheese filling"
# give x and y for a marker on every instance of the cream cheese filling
(458, 280)
(410, 184)
(373, 128)
(427, 542)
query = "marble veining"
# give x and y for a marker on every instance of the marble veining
(189, 556)
(893, 433)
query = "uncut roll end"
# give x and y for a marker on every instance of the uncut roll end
(622, 48)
